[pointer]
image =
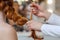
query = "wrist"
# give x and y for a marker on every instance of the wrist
(40, 26)
(47, 15)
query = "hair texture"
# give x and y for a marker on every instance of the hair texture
(18, 19)
(5, 3)
(1, 1)
(10, 14)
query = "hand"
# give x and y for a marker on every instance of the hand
(33, 25)
(39, 11)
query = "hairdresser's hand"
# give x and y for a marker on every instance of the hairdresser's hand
(39, 11)
(33, 25)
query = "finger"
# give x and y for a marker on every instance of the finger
(27, 27)
(28, 22)
(37, 6)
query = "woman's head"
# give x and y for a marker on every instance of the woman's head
(3, 4)
(7, 5)
(10, 13)
(8, 9)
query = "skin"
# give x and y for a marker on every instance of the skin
(33, 25)
(7, 32)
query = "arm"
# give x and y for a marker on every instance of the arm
(51, 30)
(54, 19)
(9, 34)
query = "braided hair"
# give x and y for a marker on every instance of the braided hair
(10, 14)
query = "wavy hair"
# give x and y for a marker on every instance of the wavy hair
(16, 17)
